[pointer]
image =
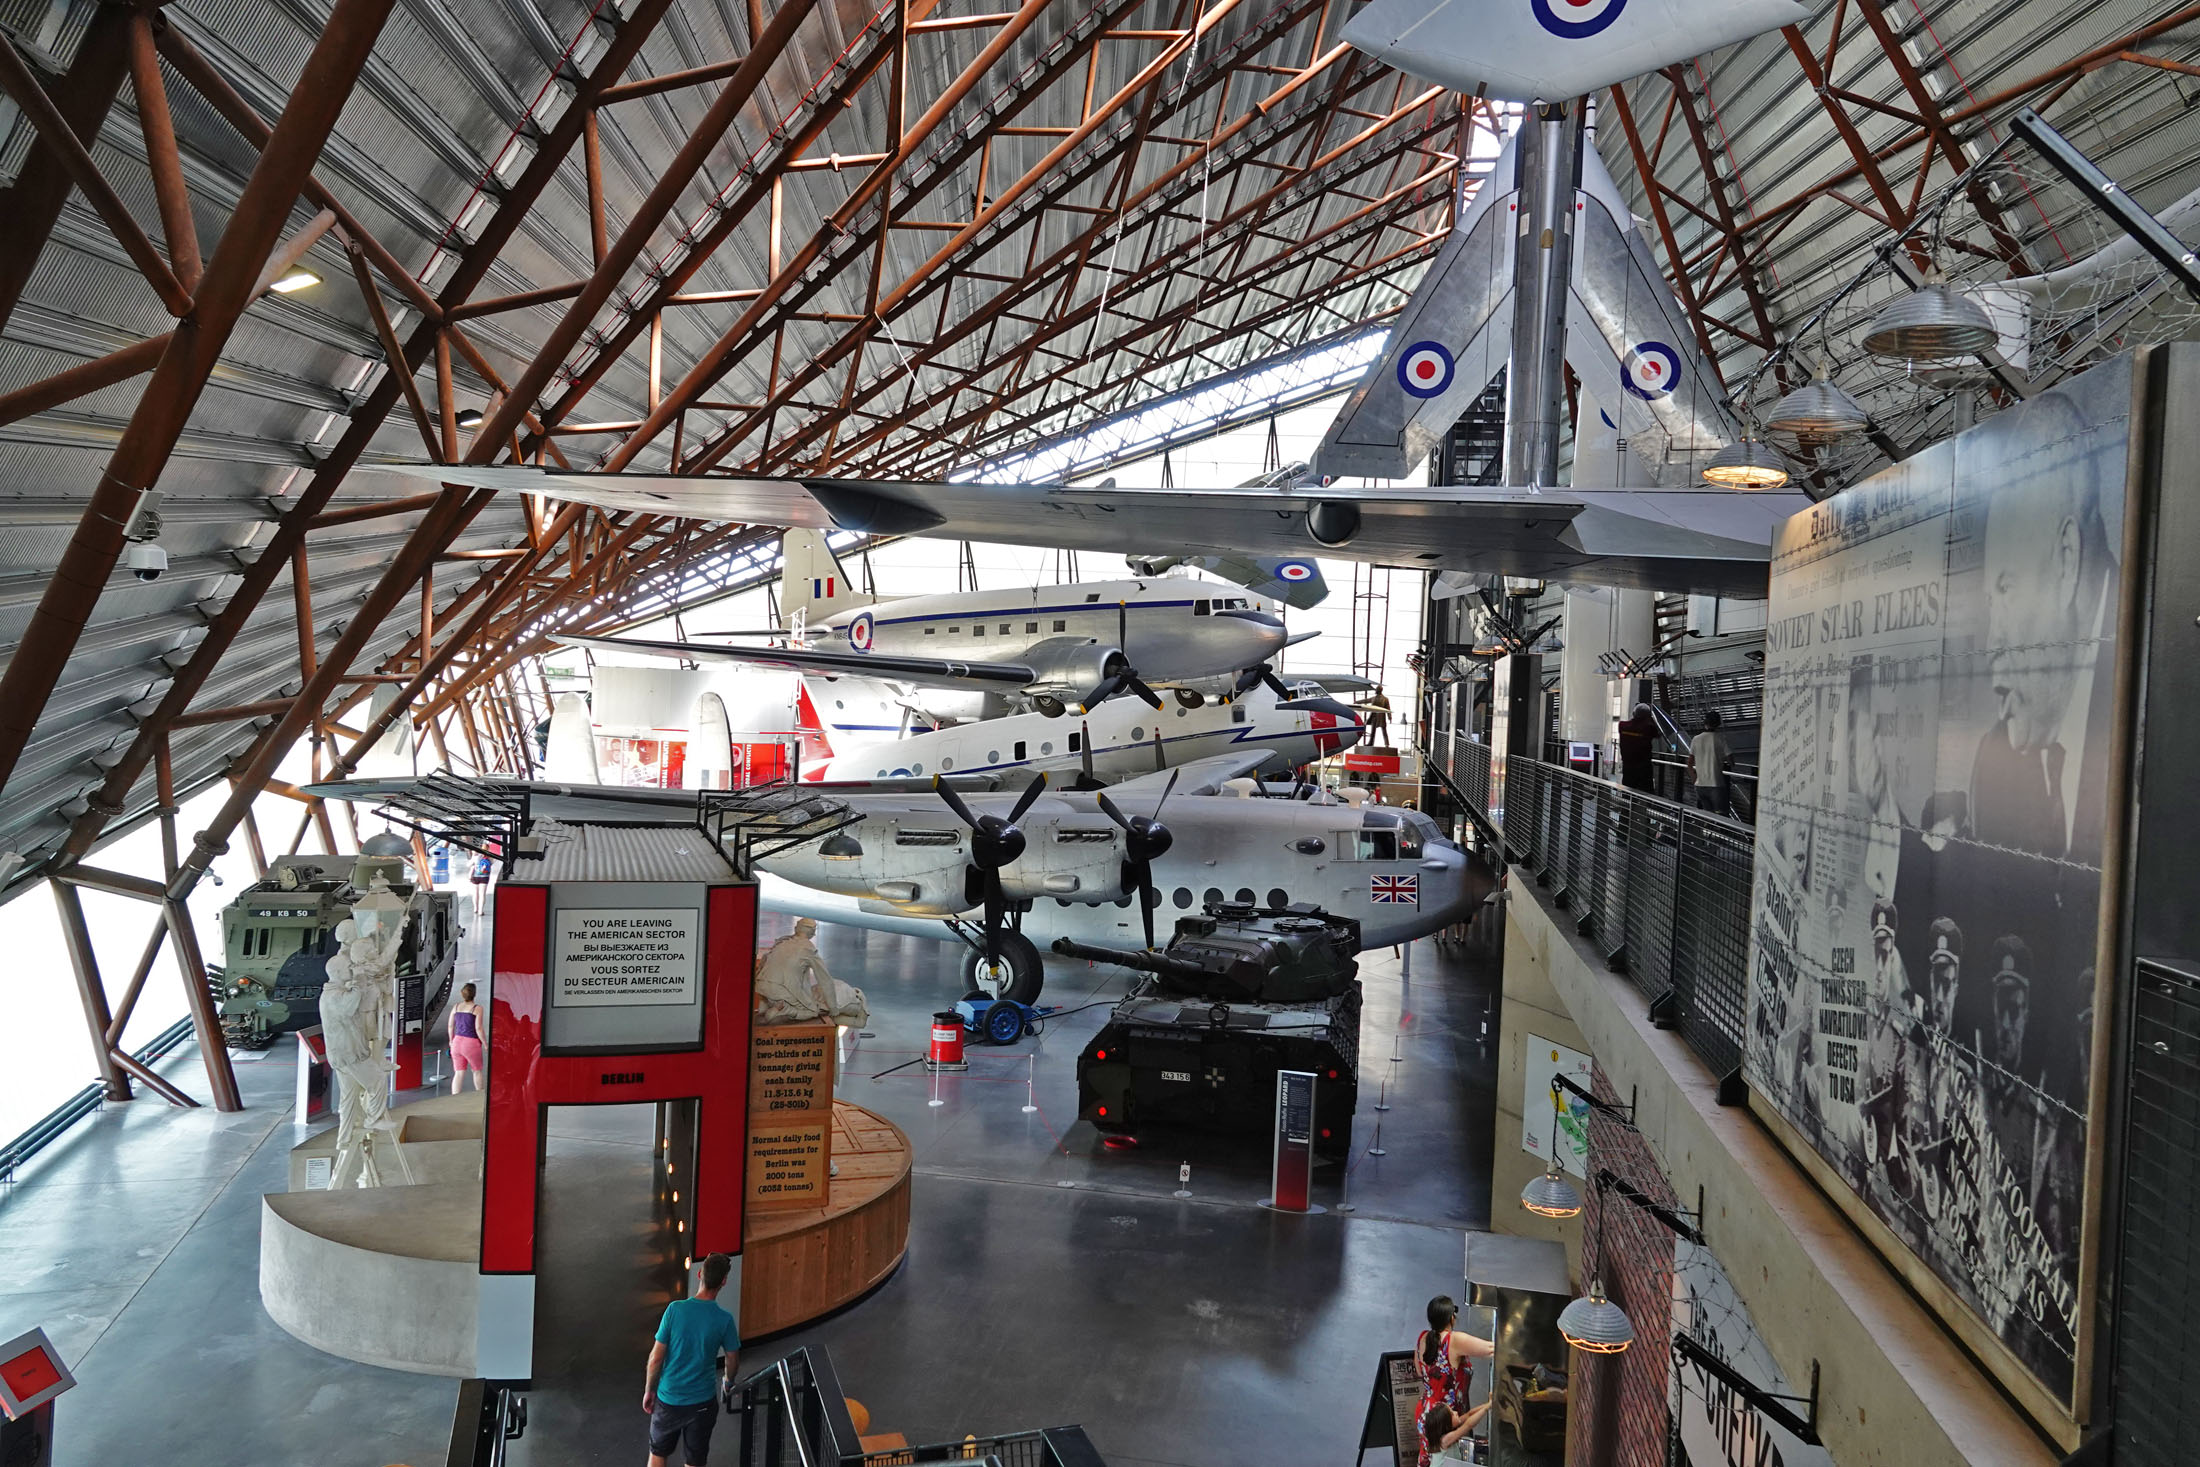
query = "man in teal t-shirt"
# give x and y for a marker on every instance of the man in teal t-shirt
(680, 1392)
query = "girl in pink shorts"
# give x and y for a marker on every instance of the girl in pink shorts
(466, 1050)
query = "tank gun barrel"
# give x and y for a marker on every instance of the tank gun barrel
(1145, 962)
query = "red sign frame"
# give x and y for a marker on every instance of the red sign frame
(523, 1079)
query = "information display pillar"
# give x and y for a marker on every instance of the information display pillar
(606, 992)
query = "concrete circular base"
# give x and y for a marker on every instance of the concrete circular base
(386, 1276)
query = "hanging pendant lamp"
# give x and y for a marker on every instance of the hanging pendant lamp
(1820, 408)
(1747, 463)
(1595, 1324)
(1551, 1195)
(1932, 322)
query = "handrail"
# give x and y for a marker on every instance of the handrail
(1662, 888)
(49, 1128)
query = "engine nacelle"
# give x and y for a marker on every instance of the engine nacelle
(1070, 667)
(1073, 858)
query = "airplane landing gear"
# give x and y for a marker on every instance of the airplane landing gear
(1019, 975)
(1191, 698)
(1048, 705)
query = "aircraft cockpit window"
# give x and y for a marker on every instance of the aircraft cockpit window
(1202, 608)
(1376, 845)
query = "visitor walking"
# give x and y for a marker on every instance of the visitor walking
(680, 1392)
(1707, 756)
(466, 1019)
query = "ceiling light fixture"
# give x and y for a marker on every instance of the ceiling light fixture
(294, 279)
(1931, 323)
(1820, 408)
(1595, 1324)
(1551, 1195)
(469, 418)
(1747, 463)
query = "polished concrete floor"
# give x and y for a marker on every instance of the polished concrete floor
(1049, 1279)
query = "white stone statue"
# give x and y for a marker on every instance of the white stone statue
(793, 987)
(354, 1007)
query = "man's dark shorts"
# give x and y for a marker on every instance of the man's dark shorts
(690, 1426)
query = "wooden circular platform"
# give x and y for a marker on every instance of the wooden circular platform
(796, 1266)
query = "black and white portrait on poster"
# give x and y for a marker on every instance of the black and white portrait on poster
(1940, 659)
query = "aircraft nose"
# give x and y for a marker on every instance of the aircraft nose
(1267, 620)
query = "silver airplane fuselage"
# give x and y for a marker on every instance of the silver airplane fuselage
(1170, 628)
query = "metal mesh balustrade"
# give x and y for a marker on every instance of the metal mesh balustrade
(1662, 890)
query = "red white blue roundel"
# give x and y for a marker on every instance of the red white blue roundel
(1576, 20)
(1425, 369)
(1294, 571)
(1651, 369)
(860, 632)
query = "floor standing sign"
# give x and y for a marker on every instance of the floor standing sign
(1291, 1177)
(31, 1375)
(609, 992)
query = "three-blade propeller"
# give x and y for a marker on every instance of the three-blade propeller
(1145, 840)
(995, 841)
(1252, 676)
(1121, 676)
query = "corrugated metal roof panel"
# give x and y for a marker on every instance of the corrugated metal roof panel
(623, 853)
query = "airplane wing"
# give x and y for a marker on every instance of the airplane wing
(1525, 50)
(1516, 532)
(1195, 776)
(928, 672)
(1295, 580)
(1450, 341)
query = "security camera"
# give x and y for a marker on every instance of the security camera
(147, 561)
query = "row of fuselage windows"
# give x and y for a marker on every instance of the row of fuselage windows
(1008, 629)
(1046, 746)
(1182, 897)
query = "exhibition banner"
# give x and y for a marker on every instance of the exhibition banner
(1940, 659)
(1540, 1106)
(1715, 1425)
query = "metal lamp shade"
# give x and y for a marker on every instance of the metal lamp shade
(1930, 323)
(1595, 1324)
(1747, 463)
(1551, 1195)
(1818, 409)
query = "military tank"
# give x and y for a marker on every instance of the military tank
(279, 933)
(1239, 993)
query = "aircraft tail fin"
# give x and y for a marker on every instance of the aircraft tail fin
(812, 583)
(569, 756)
(1450, 340)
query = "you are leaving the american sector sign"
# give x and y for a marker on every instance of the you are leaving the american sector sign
(626, 955)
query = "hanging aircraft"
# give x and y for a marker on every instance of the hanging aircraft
(1005, 874)
(1118, 739)
(1295, 580)
(1627, 337)
(1045, 646)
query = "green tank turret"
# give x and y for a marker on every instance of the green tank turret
(278, 934)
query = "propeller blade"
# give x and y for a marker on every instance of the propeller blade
(1123, 629)
(993, 904)
(1246, 680)
(1148, 899)
(1032, 792)
(1138, 686)
(1104, 689)
(954, 802)
(1275, 684)
(1084, 746)
(1166, 790)
(1108, 807)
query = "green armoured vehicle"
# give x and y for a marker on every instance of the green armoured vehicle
(278, 935)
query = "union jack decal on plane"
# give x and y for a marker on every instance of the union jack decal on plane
(1390, 889)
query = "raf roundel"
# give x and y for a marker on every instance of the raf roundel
(1294, 571)
(1425, 370)
(1576, 20)
(860, 632)
(1651, 370)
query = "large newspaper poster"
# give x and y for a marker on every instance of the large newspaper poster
(1939, 665)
